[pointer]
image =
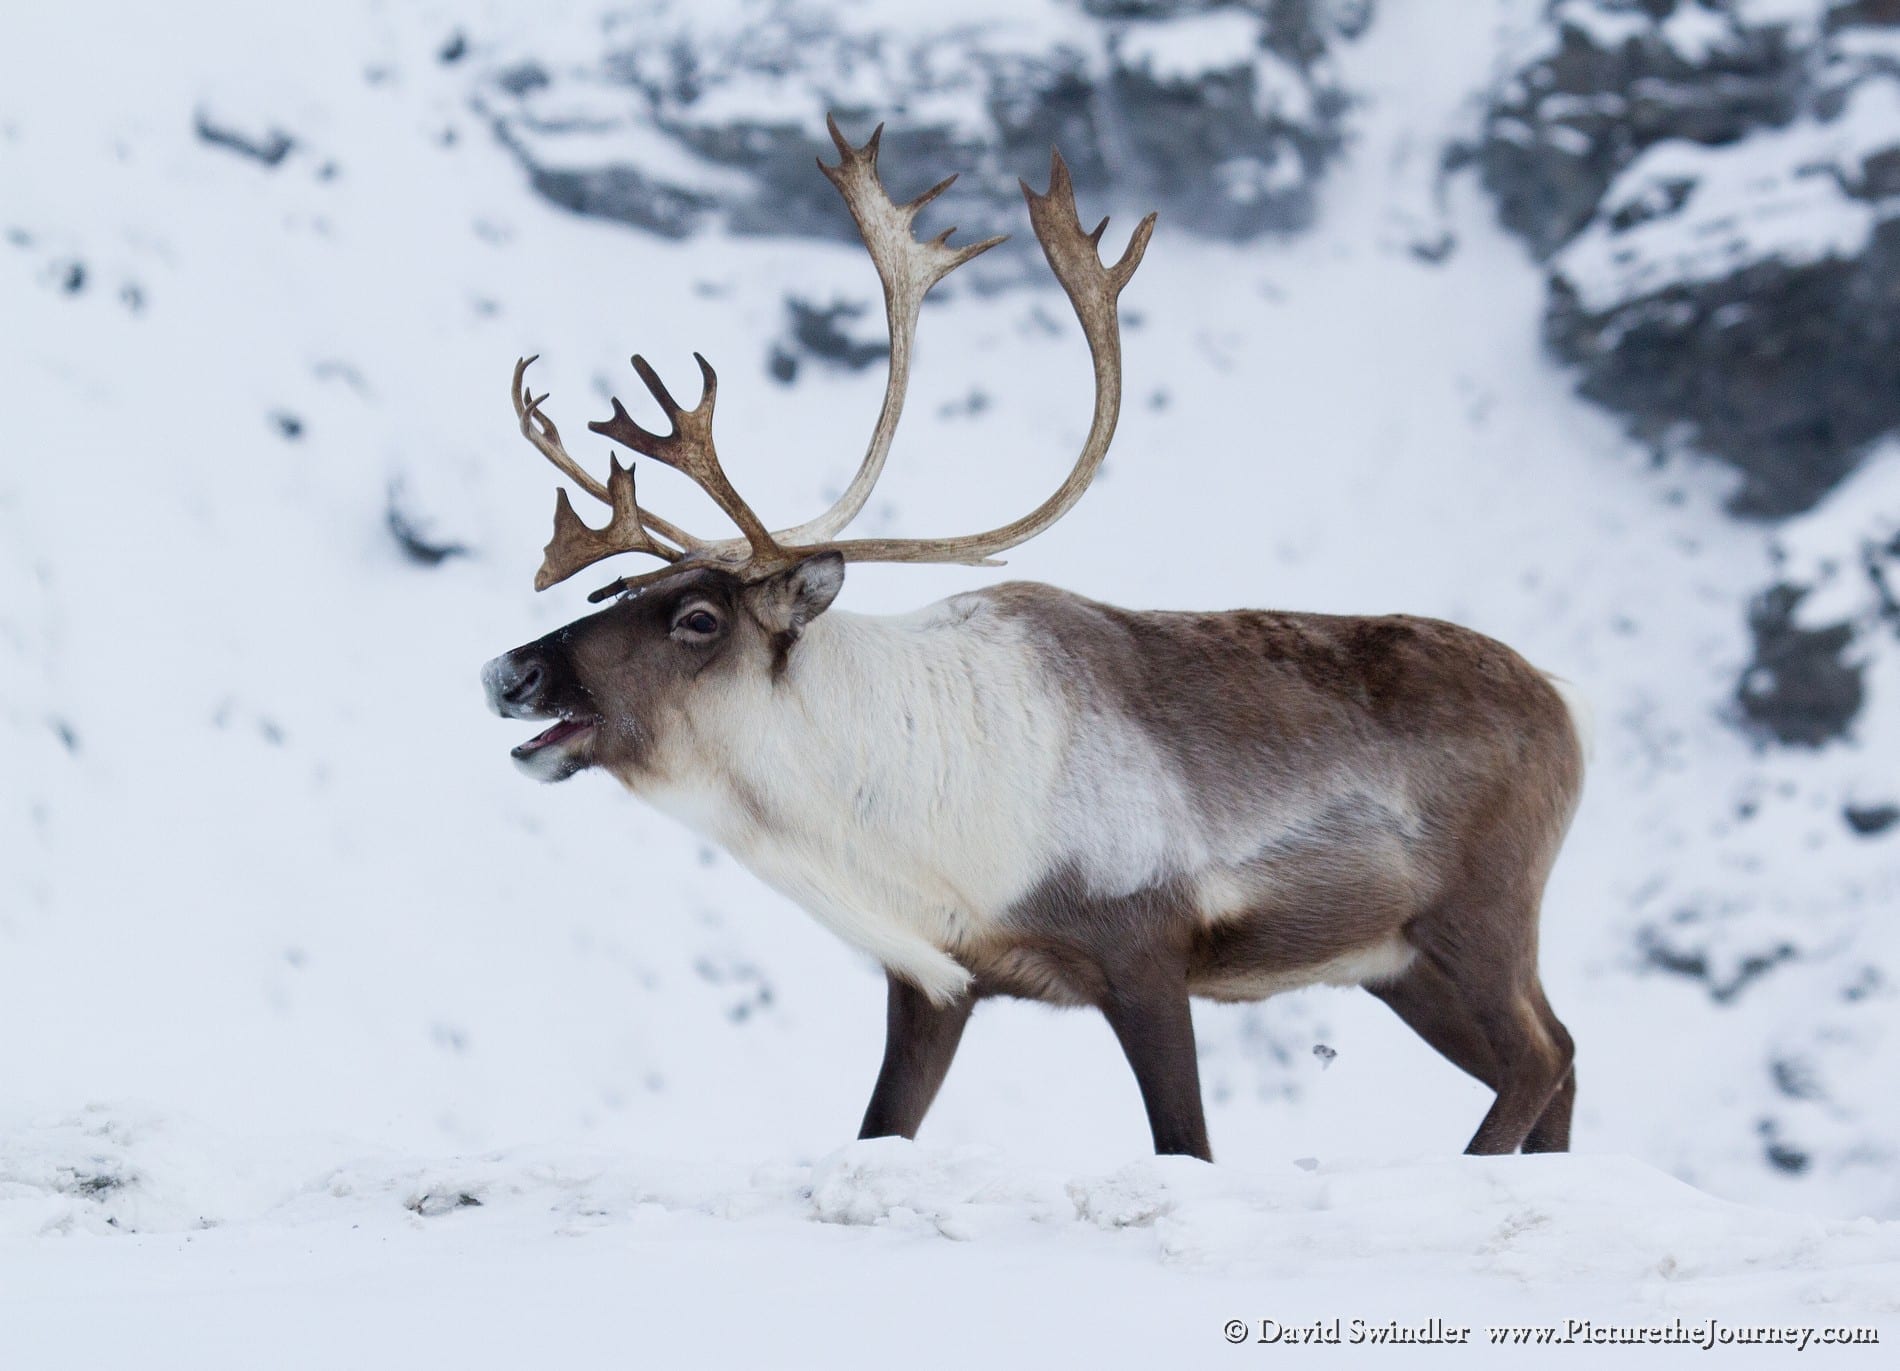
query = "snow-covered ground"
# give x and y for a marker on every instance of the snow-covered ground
(291, 960)
(936, 1257)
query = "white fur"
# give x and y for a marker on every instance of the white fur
(897, 781)
(1582, 715)
(908, 779)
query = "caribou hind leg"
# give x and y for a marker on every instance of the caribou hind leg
(1428, 1002)
(1487, 1015)
(1551, 1133)
(1534, 1060)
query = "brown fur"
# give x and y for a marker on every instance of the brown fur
(1483, 747)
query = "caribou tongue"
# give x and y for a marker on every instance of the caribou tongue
(565, 728)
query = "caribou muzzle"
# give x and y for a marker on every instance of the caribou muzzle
(537, 682)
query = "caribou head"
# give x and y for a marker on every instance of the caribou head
(726, 610)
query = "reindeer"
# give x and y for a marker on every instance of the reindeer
(1019, 791)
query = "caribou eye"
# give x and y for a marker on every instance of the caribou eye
(701, 622)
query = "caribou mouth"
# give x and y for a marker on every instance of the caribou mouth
(562, 730)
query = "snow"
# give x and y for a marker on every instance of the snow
(1606, 28)
(1695, 34)
(594, 1254)
(1188, 49)
(1799, 18)
(291, 959)
(1684, 212)
(1863, 513)
(1185, 50)
(1704, 214)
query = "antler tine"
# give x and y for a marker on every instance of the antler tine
(575, 545)
(546, 438)
(1075, 256)
(908, 269)
(689, 450)
(1094, 289)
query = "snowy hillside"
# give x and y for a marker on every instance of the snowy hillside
(292, 960)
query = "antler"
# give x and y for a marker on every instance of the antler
(689, 449)
(575, 545)
(1094, 290)
(908, 269)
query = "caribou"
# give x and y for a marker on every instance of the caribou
(1019, 791)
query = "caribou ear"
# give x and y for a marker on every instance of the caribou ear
(785, 603)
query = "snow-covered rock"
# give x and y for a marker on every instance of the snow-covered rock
(688, 115)
(1717, 186)
(1746, 298)
(1600, 81)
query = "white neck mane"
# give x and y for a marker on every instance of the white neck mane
(909, 778)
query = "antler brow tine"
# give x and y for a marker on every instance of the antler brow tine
(575, 545)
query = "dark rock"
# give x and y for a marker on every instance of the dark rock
(454, 50)
(1787, 371)
(623, 193)
(1795, 1078)
(1661, 952)
(1879, 176)
(1781, 1155)
(818, 331)
(1846, 12)
(1754, 317)
(1612, 85)
(411, 536)
(1225, 115)
(1151, 9)
(269, 150)
(1870, 820)
(1204, 148)
(524, 78)
(1867, 982)
(288, 424)
(968, 407)
(1798, 689)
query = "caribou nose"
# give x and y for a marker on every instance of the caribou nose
(514, 682)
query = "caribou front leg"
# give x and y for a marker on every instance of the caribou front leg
(920, 1039)
(1146, 1003)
